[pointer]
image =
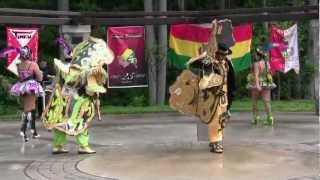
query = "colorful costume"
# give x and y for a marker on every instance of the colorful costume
(28, 88)
(217, 94)
(78, 84)
(207, 96)
(260, 83)
(264, 79)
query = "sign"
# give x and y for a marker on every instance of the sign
(129, 68)
(18, 37)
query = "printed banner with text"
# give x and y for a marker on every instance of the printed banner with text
(18, 37)
(129, 68)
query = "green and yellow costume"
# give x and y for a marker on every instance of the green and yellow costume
(73, 104)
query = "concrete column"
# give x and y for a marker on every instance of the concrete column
(315, 55)
(162, 65)
(150, 56)
(63, 5)
(74, 34)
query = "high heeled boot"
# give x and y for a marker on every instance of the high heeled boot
(24, 125)
(33, 125)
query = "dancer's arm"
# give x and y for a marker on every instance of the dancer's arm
(38, 73)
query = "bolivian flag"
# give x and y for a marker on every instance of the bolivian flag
(187, 40)
(241, 56)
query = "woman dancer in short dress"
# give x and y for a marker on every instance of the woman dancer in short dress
(28, 88)
(260, 83)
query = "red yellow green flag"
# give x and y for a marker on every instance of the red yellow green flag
(241, 56)
(186, 41)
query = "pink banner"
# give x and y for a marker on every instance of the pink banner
(277, 61)
(129, 68)
(18, 37)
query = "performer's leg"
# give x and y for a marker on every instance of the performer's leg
(24, 124)
(215, 133)
(59, 140)
(39, 106)
(29, 105)
(83, 141)
(267, 103)
(29, 102)
(255, 110)
(33, 125)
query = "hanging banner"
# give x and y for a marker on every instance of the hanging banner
(284, 54)
(129, 68)
(292, 52)
(18, 37)
(278, 48)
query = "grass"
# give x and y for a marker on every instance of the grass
(277, 106)
(8, 112)
(135, 109)
(238, 105)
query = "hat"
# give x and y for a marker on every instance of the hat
(223, 49)
(261, 52)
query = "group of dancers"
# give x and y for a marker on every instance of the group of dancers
(74, 101)
(79, 81)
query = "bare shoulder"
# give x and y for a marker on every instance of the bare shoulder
(33, 63)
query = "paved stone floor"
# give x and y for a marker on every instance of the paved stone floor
(166, 146)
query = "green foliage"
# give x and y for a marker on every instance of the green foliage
(241, 81)
(135, 109)
(277, 106)
(124, 97)
(5, 97)
(28, 4)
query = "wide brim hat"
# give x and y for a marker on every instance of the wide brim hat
(224, 49)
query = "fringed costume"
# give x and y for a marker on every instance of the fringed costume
(74, 101)
(206, 95)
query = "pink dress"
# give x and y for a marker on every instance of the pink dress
(28, 80)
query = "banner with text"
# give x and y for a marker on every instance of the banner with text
(18, 37)
(129, 69)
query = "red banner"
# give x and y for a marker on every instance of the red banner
(18, 37)
(277, 60)
(129, 68)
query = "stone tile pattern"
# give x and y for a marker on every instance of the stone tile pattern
(59, 167)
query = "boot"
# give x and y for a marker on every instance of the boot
(256, 120)
(24, 121)
(86, 150)
(216, 147)
(35, 135)
(269, 121)
(59, 150)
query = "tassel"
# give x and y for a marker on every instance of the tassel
(62, 41)
(4, 52)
